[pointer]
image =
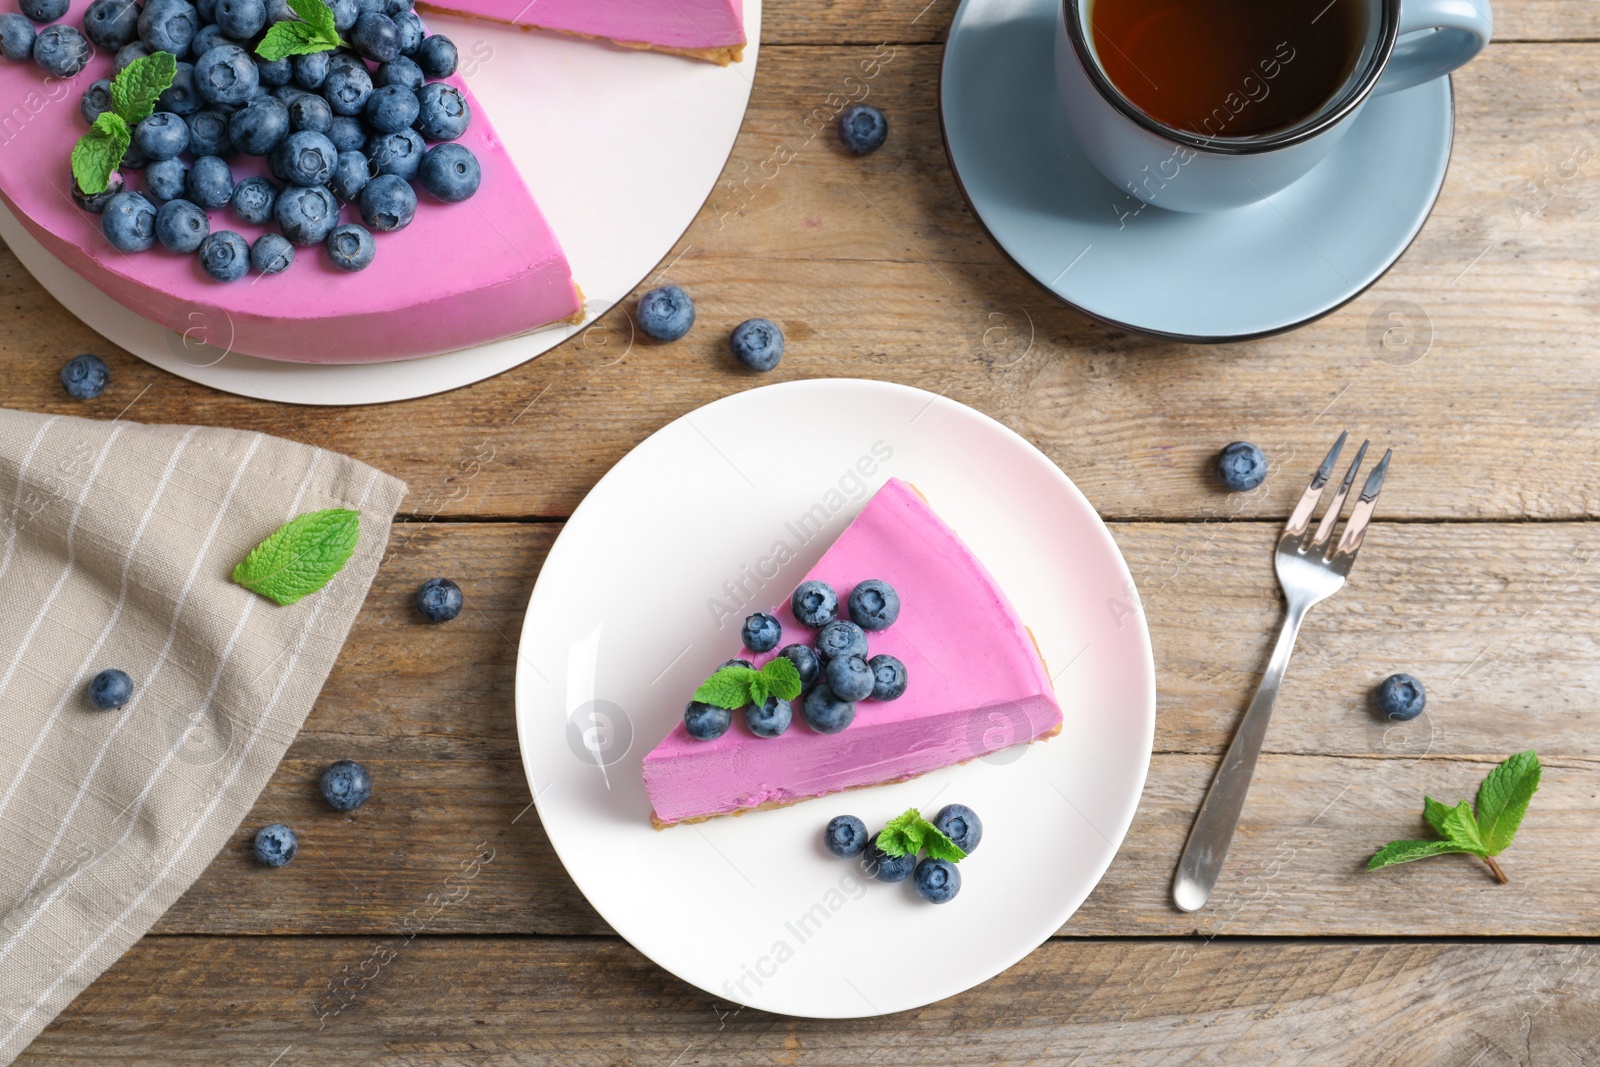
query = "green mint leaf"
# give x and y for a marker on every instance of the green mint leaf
(1503, 799)
(758, 690)
(782, 678)
(98, 153)
(317, 15)
(302, 556)
(134, 91)
(938, 845)
(284, 39)
(1406, 851)
(728, 688)
(1433, 814)
(1461, 830)
(903, 835)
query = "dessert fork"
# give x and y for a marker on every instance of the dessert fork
(1310, 569)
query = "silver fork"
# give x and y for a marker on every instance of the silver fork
(1310, 571)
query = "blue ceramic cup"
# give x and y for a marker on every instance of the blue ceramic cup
(1406, 43)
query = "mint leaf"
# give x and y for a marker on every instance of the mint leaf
(1433, 814)
(134, 91)
(758, 690)
(302, 556)
(98, 153)
(728, 688)
(781, 677)
(1503, 799)
(317, 15)
(1406, 851)
(315, 32)
(903, 835)
(938, 845)
(1461, 830)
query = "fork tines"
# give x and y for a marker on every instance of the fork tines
(1360, 515)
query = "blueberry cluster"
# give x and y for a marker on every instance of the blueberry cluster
(351, 125)
(936, 880)
(59, 50)
(345, 786)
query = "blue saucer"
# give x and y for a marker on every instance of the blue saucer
(1227, 276)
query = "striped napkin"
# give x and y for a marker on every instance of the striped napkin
(117, 542)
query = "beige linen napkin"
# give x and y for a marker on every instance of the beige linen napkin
(117, 542)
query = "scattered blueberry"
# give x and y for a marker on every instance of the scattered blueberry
(306, 214)
(347, 89)
(260, 126)
(806, 662)
(241, 19)
(761, 632)
(437, 56)
(874, 605)
(127, 54)
(225, 256)
(814, 604)
(443, 112)
(209, 37)
(208, 134)
(1242, 466)
(439, 599)
(403, 71)
(84, 378)
(757, 343)
(254, 200)
(210, 182)
(376, 37)
(311, 71)
(180, 97)
(391, 109)
(388, 203)
(345, 13)
(162, 136)
(887, 868)
(411, 32)
(1401, 697)
(937, 881)
(350, 247)
(845, 836)
(349, 176)
(167, 179)
(769, 720)
(960, 824)
(16, 37)
(43, 11)
(61, 50)
(110, 24)
(287, 94)
(310, 112)
(181, 225)
(346, 785)
(271, 254)
(666, 314)
(276, 845)
(738, 663)
(400, 154)
(307, 158)
(133, 159)
(129, 222)
(862, 129)
(706, 722)
(97, 202)
(450, 172)
(841, 638)
(888, 677)
(849, 677)
(824, 712)
(274, 73)
(110, 689)
(346, 133)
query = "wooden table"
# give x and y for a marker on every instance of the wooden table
(1480, 579)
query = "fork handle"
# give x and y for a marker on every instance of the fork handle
(1207, 848)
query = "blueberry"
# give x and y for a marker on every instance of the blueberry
(129, 222)
(437, 57)
(307, 158)
(225, 256)
(345, 13)
(806, 662)
(392, 8)
(162, 136)
(210, 182)
(862, 129)
(399, 154)
(350, 176)
(276, 845)
(310, 112)
(346, 133)
(666, 314)
(133, 159)
(16, 37)
(306, 214)
(937, 881)
(96, 202)
(167, 179)
(110, 24)
(757, 343)
(274, 73)
(814, 604)
(346, 785)
(61, 50)
(1241, 466)
(287, 94)
(277, 11)
(311, 71)
(1401, 697)
(706, 722)
(411, 32)
(207, 10)
(43, 10)
(241, 19)
(110, 689)
(761, 632)
(845, 836)
(841, 638)
(888, 677)
(169, 26)
(960, 824)
(376, 37)
(181, 225)
(887, 868)
(444, 114)
(84, 378)
(874, 605)
(127, 54)
(388, 203)
(391, 109)
(450, 172)
(439, 599)
(769, 720)
(344, 60)
(347, 89)
(208, 134)
(271, 254)
(849, 677)
(738, 663)
(226, 75)
(209, 37)
(254, 200)
(259, 127)
(402, 71)
(96, 99)
(180, 97)
(350, 247)
(824, 712)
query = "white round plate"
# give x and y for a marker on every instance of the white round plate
(621, 628)
(582, 120)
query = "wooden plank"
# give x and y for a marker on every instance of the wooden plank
(498, 1002)
(877, 269)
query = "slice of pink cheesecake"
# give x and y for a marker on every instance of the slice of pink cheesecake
(705, 29)
(459, 275)
(976, 680)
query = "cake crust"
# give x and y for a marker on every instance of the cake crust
(721, 55)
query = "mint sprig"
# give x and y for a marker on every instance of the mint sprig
(98, 153)
(734, 687)
(1502, 802)
(301, 556)
(315, 32)
(910, 833)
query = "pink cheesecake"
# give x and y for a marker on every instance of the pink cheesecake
(976, 681)
(705, 29)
